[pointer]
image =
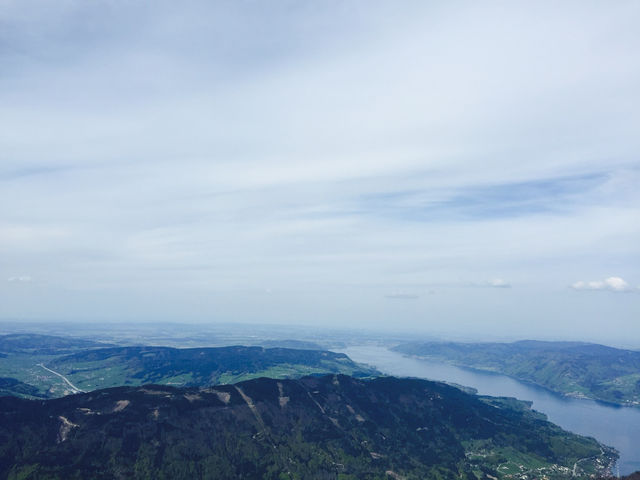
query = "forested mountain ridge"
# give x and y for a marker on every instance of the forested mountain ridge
(571, 368)
(333, 427)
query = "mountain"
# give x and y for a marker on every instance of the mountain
(570, 368)
(107, 367)
(330, 427)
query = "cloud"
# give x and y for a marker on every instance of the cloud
(614, 284)
(222, 147)
(499, 283)
(20, 279)
(493, 283)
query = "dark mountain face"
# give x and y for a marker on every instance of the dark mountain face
(11, 386)
(316, 427)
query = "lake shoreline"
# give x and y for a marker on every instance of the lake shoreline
(577, 395)
(610, 424)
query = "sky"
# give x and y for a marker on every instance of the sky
(455, 168)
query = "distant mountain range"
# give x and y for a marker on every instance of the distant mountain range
(571, 368)
(31, 343)
(330, 427)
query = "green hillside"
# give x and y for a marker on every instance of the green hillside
(109, 367)
(38, 366)
(570, 368)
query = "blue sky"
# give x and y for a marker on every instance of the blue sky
(447, 167)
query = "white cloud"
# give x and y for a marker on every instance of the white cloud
(493, 283)
(499, 283)
(20, 279)
(615, 284)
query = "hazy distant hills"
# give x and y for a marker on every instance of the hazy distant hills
(30, 343)
(571, 368)
(108, 367)
(331, 427)
(298, 344)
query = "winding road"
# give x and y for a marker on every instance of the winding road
(73, 387)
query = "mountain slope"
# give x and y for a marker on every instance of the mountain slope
(14, 387)
(571, 368)
(332, 427)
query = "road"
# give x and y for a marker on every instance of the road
(73, 387)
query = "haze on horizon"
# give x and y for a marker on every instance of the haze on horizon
(443, 167)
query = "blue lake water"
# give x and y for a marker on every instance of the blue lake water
(618, 427)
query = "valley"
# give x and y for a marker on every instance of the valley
(38, 372)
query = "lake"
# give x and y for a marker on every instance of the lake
(618, 427)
